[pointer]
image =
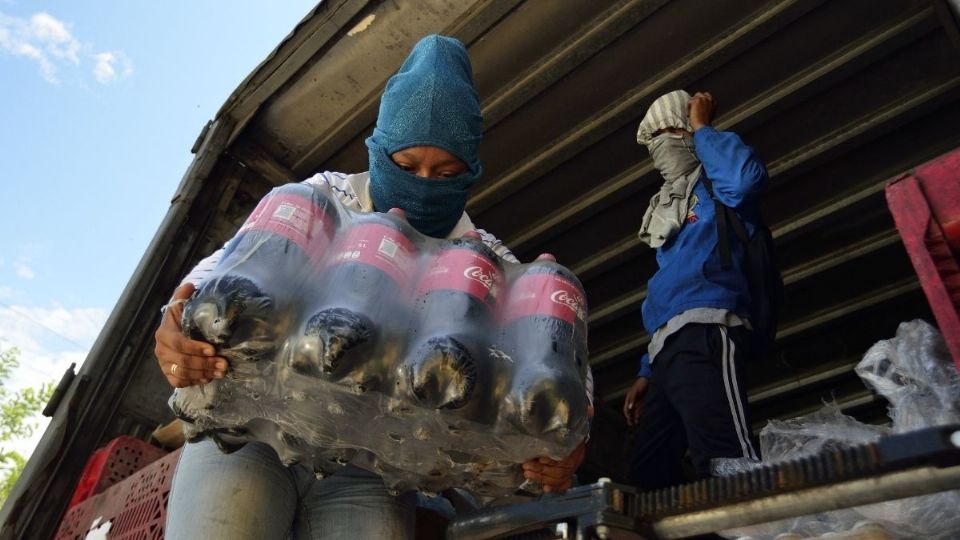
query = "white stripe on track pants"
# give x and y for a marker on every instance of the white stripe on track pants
(696, 401)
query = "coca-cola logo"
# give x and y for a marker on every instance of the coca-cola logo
(477, 273)
(571, 301)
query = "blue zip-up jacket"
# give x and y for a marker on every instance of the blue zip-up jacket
(690, 275)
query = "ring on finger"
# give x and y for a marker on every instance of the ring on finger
(173, 369)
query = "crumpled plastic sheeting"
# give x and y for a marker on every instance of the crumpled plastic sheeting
(914, 372)
(784, 440)
(321, 369)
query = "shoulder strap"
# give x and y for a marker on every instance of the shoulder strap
(725, 214)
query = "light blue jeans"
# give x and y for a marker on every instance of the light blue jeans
(249, 494)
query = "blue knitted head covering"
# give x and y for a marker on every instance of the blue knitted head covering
(430, 101)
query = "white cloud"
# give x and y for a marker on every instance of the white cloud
(107, 63)
(49, 339)
(14, 40)
(56, 36)
(25, 271)
(38, 324)
(50, 43)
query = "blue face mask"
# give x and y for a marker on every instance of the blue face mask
(430, 101)
(433, 205)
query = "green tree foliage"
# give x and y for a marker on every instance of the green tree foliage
(18, 412)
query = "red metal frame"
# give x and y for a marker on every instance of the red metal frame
(925, 204)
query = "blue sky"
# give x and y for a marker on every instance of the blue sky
(100, 103)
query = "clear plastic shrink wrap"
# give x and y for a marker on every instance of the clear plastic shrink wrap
(913, 371)
(352, 338)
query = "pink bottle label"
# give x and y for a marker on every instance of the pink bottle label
(464, 270)
(298, 219)
(378, 245)
(547, 295)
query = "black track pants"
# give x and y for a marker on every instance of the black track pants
(696, 400)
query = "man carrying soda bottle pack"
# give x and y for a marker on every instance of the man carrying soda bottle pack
(423, 160)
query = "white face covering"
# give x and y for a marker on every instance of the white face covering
(674, 155)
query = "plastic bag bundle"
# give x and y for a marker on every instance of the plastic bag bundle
(352, 338)
(783, 440)
(914, 372)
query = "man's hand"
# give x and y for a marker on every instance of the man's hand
(185, 362)
(555, 475)
(633, 404)
(701, 109)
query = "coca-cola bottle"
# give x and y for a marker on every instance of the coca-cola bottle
(455, 301)
(242, 304)
(364, 288)
(544, 333)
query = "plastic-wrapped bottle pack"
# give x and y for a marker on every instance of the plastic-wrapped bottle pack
(352, 338)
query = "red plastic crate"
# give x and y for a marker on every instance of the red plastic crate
(133, 509)
(925, 204)
(120, 458)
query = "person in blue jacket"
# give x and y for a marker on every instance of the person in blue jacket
(689, 395)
